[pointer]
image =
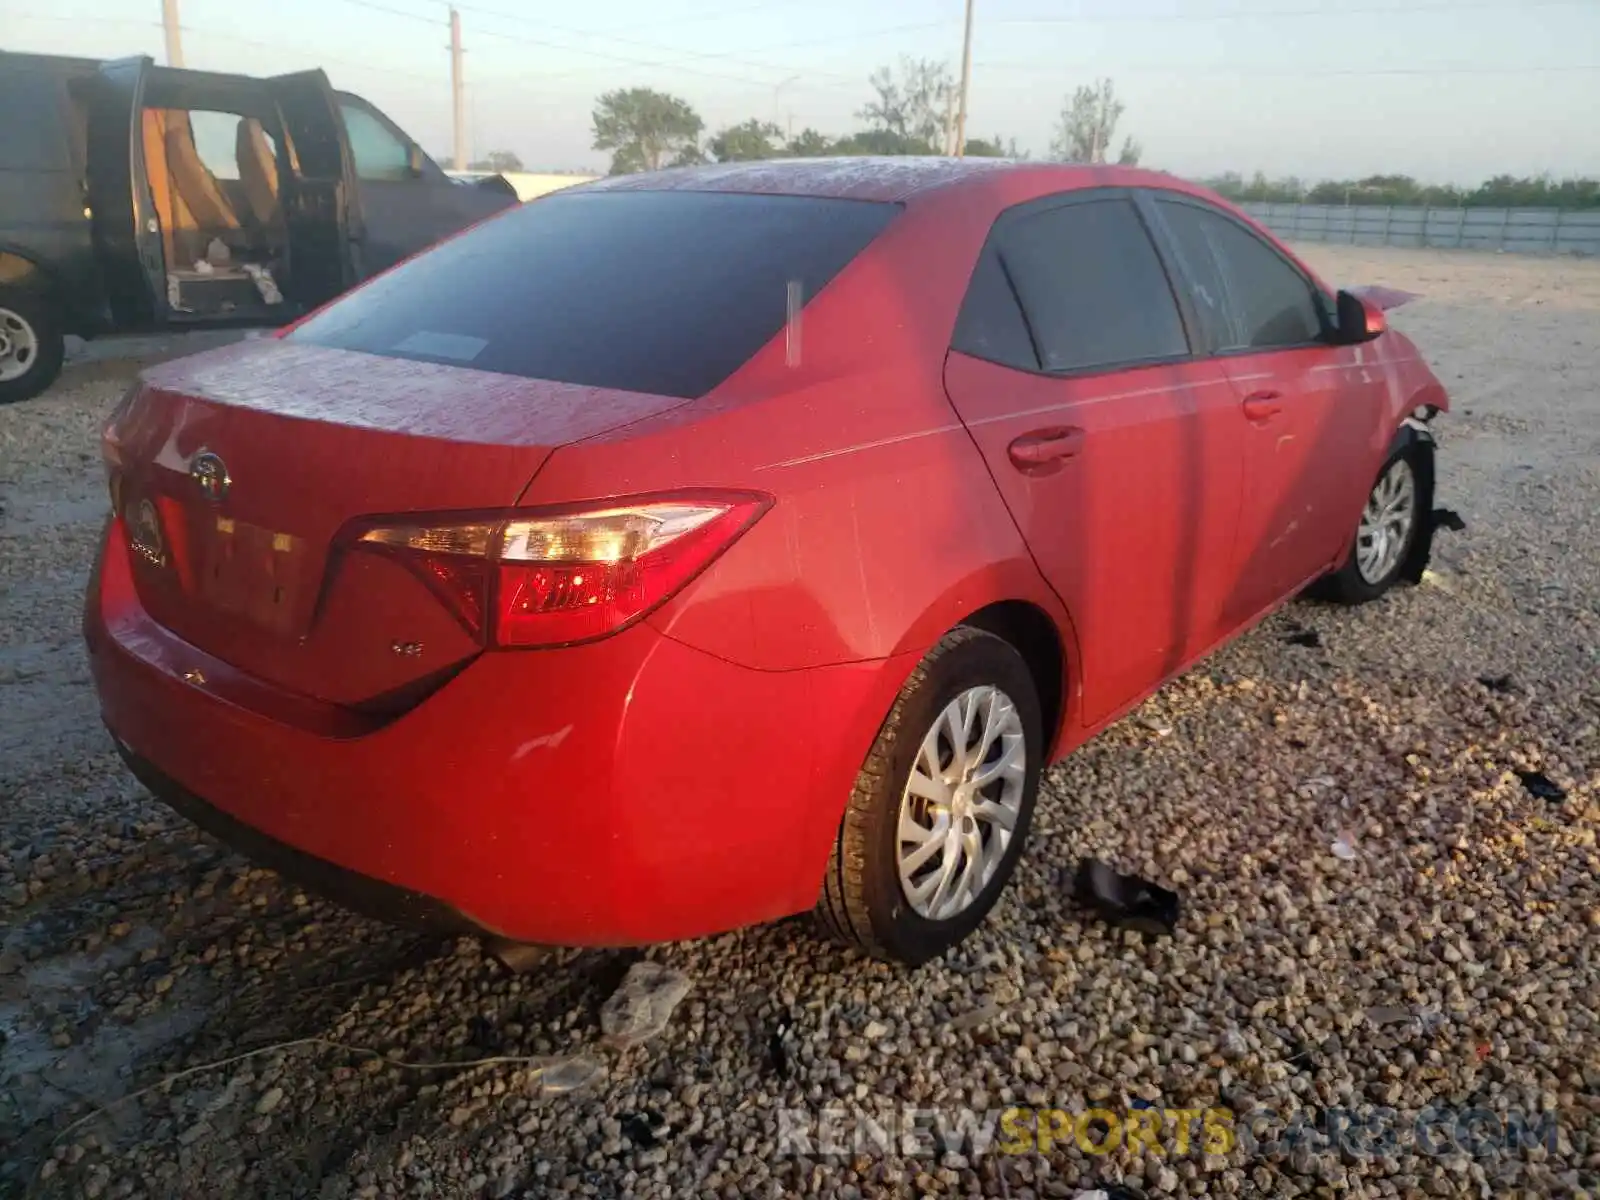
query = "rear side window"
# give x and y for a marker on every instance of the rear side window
(991, 325)
(1268, 303)
(33, 129)
(1094, 291)
(663, 292)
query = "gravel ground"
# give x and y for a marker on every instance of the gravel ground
(1450, 959)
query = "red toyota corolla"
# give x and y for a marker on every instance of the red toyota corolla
(692, 549)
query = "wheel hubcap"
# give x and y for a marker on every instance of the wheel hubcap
(1386, 523)
(19, 346)
(961, 803)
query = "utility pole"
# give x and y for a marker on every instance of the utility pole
(966, 80)
(458, 107)
(777, 99)
(169, 26)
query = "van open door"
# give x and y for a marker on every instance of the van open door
(122, 211)
(317, 191)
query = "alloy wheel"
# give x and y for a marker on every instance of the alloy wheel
(1386, 522)
(961, 803)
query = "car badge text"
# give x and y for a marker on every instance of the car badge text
(145, 535)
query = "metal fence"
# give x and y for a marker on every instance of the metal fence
(1514, 230)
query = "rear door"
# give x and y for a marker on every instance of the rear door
(322, 215)
(407, 202)
(1308, 407)
(1116, 449)
(127, 233)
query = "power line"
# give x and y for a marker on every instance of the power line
(312, 52)
(722, 56)
(1274, 14)
(1293, 73)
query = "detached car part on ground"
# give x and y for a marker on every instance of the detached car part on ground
(698, 548)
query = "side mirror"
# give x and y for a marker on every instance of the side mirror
(1360, 320)
(414, 159)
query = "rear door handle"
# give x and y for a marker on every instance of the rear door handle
(1045, 447)
(1258, 406)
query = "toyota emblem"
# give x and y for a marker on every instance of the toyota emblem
(210, 475)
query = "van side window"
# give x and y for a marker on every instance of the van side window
(1268, 305)
(378, 153)
(33, 133)
(1092, 287)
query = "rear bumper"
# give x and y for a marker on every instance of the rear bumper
(357, 892)
(628, 791)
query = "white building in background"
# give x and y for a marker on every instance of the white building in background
(527, 184)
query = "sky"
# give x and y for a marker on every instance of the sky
(1445, 90)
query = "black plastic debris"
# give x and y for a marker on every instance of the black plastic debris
(778, 1050)
(1299, 1056)
(1501, 684)
(1304, 637)
(1448, 518)
(1541, 787)
(1127, 900)
(645, 1129)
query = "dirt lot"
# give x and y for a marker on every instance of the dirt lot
(1450, 961)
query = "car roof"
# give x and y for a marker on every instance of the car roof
(865, 178)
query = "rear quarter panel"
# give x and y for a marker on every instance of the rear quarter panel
(887, 529)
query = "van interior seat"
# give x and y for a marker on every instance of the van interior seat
(190, 203)
(258, 172)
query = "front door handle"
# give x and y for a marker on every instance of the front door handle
(1044, 448)
(1258, 406)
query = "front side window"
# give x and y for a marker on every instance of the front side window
(378, 153)
(1092, 288)
(1268, 303)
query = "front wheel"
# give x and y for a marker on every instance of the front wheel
(1390, 523)
(31, 345)
(940, 811)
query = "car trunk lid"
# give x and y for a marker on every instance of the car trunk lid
(235, 472)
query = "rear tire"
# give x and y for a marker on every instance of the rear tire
(1386, 532)
(918, 865)
(32, 345)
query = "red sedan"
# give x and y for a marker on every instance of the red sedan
(692, 549)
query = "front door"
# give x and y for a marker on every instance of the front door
(321, 213)
(122, 212)
(407, 202)
(1308, 406)
(1116, 449)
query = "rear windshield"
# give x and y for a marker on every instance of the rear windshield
(662, 292)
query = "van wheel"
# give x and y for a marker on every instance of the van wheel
(940, 811)
(31, 345)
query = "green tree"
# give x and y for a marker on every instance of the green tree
(747, 141)
(645, 130)
(911, 104)
(808, 143)
(497, 160)
(995, 147)
(880, 142)
(1087, 125)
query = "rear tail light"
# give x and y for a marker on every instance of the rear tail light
(551, 577)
